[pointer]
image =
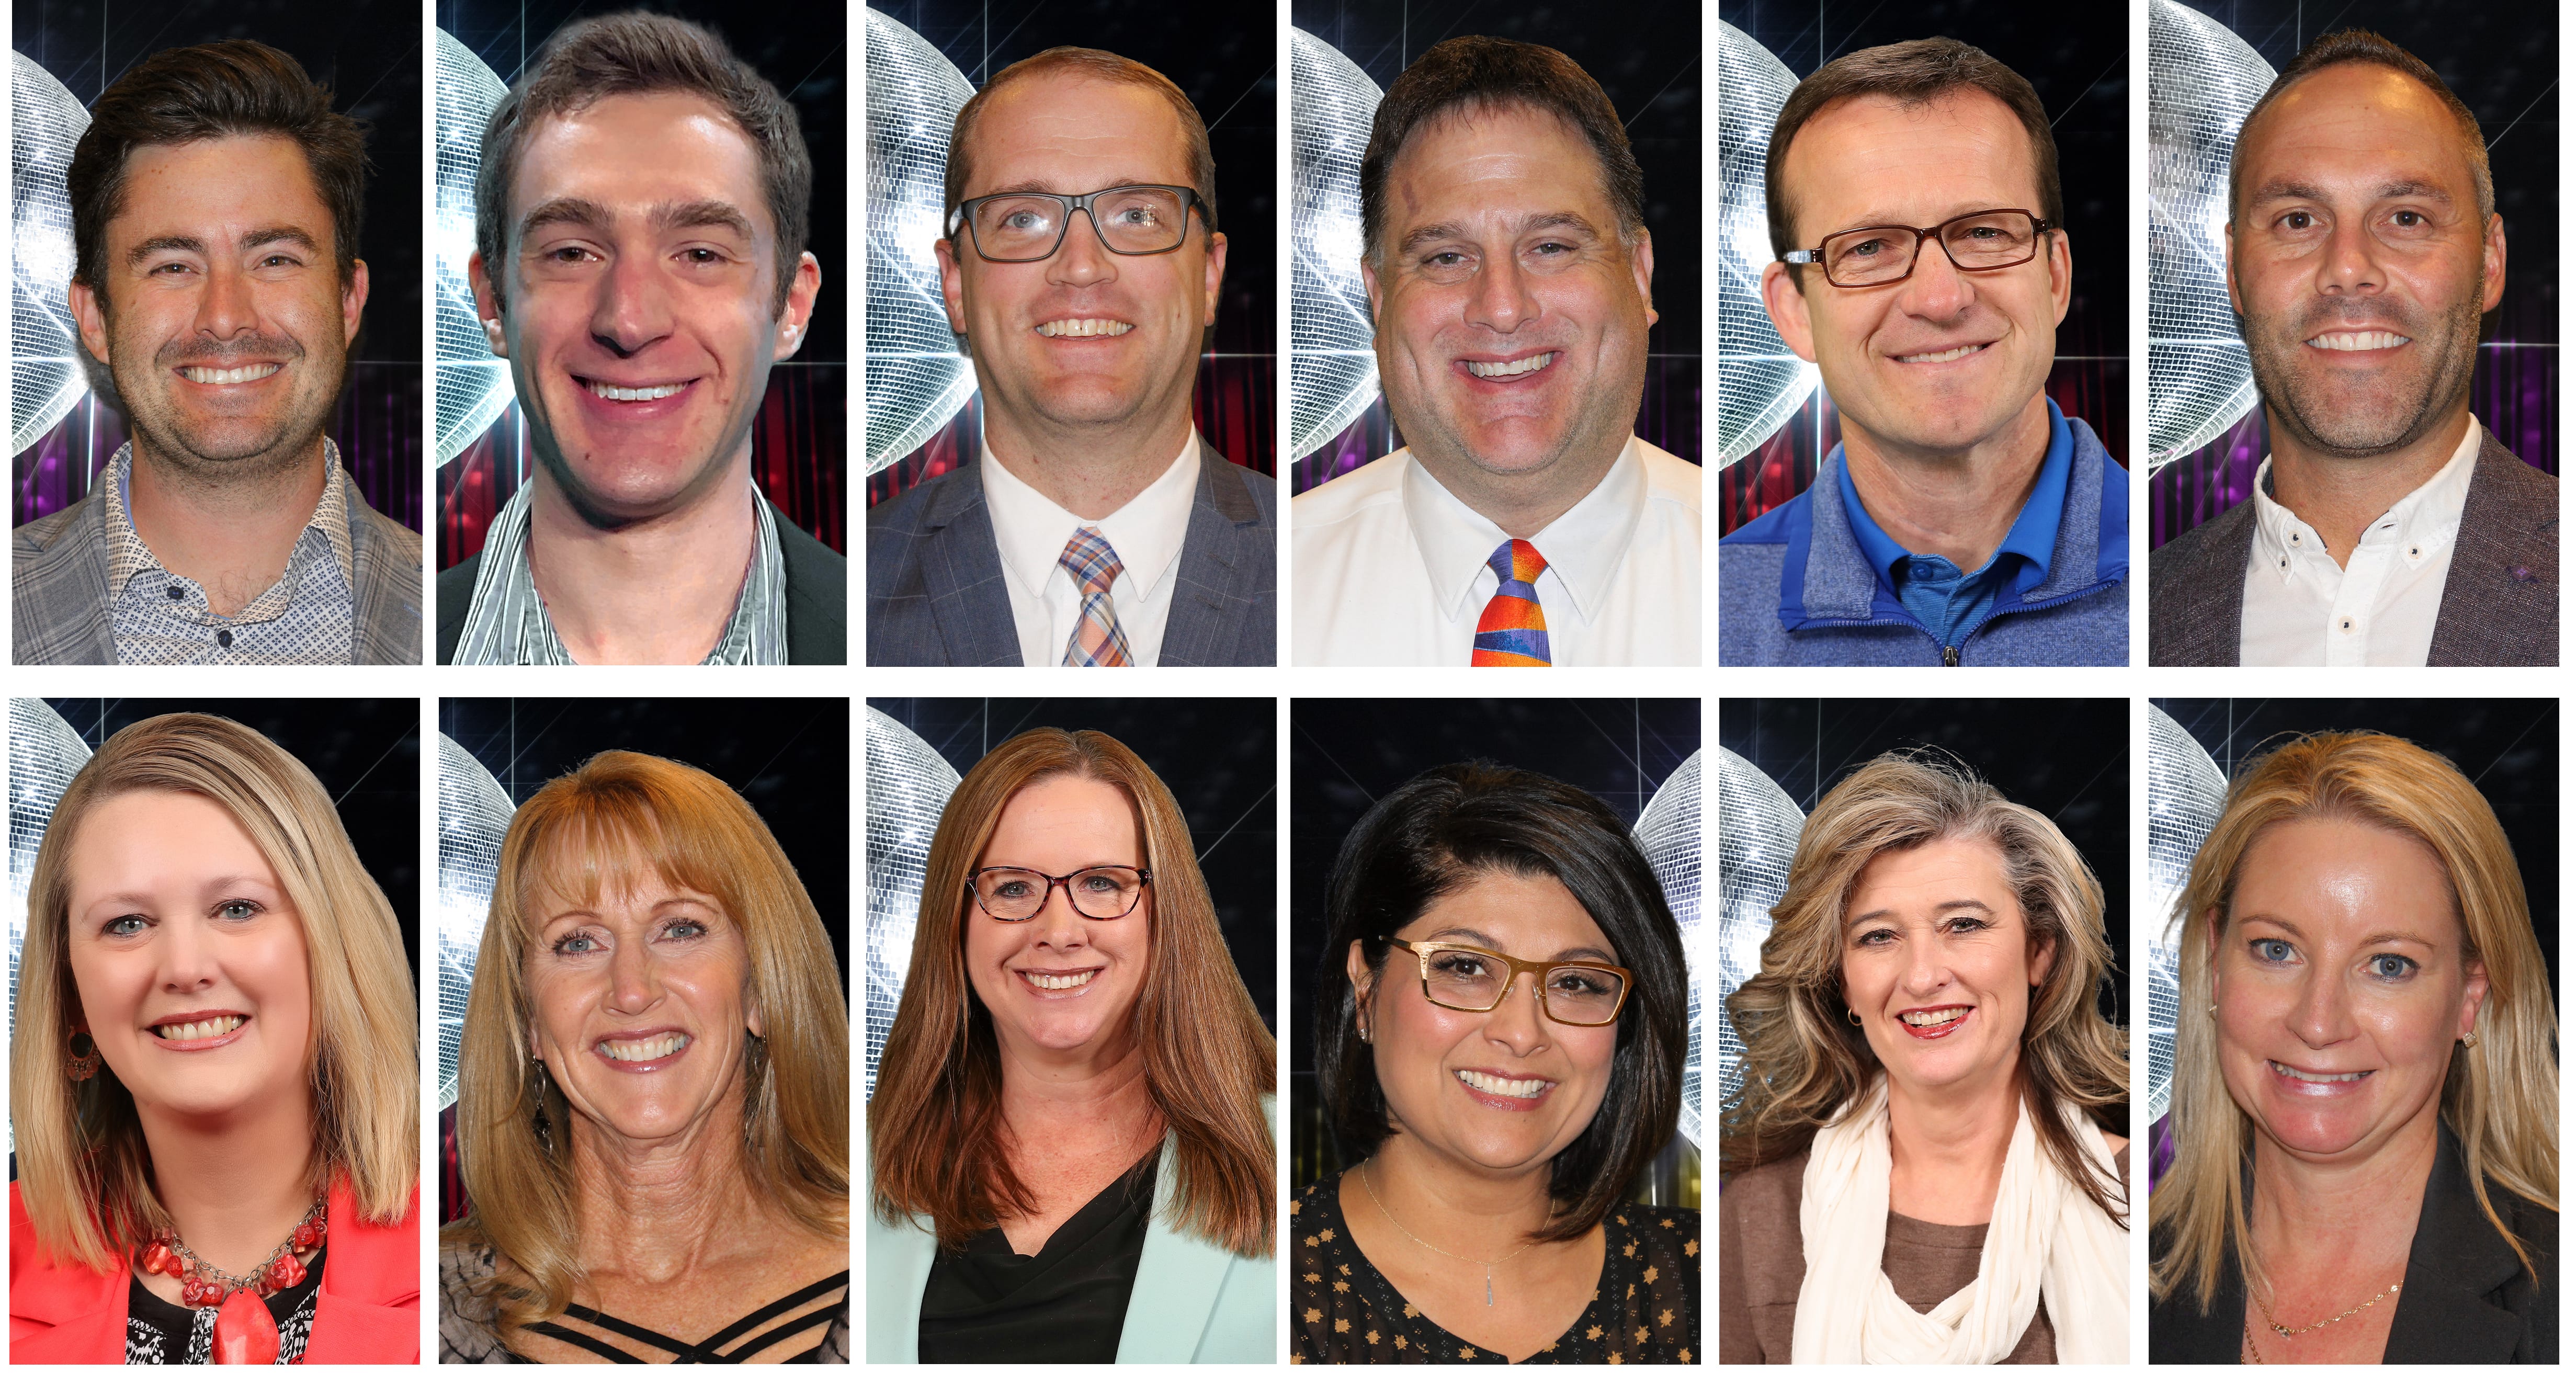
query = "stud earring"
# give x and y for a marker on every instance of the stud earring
(2469, 1040)
(1854, 1015)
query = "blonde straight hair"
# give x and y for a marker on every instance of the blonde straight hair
(84, 1172)
(606, 825)
(2500, 1098)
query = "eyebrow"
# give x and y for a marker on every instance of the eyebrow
(1963, 903)
(702, 214)
(1554, 219)
(2284, 188)
(2377, 937)
(188, 243)
(565, 209)
(1037, 186)
(1487, 941)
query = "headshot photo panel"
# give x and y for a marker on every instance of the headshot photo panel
(644, 1047)
(1924, 455)
(1495, 321)
(2354, 337)
(215, 386)
(1072, 388)
(642, 301)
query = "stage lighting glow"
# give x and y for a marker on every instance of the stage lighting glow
(1757, 835)
(46, 379)
(918, 378)
(908, 786)
(2185, 795)
(1332, 367)
(472, 386)
(1760, 383)
(44, 756)
(1669, 831)
(473, 814)
(2202, 80)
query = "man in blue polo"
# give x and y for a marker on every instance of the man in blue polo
(1964, 519)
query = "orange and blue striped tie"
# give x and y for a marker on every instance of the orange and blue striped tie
(1097, 640)
(1513, 630)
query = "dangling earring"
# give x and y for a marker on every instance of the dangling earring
(1361, 1025)
(85, 1056)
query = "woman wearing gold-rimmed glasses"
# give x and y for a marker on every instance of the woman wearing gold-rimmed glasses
(1500, 1035)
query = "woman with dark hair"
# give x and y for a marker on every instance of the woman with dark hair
(1499, 1042)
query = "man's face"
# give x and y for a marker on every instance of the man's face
(2358, 260)
(1944, 360)
(638, 306)
(221, 312)
(1511, 313)
(1085, 337)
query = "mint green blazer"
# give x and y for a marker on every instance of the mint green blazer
(1193, 1302)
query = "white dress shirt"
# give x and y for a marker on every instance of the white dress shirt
(1390, 568)
(1031, 532)
(2378, 608)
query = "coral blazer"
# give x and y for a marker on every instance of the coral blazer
(368, 1310)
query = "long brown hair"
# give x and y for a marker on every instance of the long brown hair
(935, 1123)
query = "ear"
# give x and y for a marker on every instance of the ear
(800, 308)
(1787, 306)
(952, 285)
(751, 1021)
(1368, 279)
(2492, 265)
(353, 302)
(92, 314)
(2228, 239)
(2043, 956)
(487, 306)
(2061, 272)
(2474, 997)
(1641, 264)
(1215, 278)
(1363, 982)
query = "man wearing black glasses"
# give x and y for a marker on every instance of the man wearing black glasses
(1080, 263)
(1922, 267)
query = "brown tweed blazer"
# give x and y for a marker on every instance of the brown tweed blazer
(2499, 603)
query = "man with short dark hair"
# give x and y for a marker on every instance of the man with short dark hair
(216, 200)
(2387, 526)
(1923, 268)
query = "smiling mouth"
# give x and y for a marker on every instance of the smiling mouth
(1522, 1088)
(1518, 367)
(1084, 328)
(644, 1050)
(2363, 341)
(231, 376)
(662, 391)
(212, 1027)
(2319, 1079)
(1059, 982)
(1928, 1019)
(1947, 354)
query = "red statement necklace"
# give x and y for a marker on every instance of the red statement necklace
(244, 1331)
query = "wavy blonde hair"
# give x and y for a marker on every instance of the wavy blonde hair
(2501, 1099)
(607, 824)
(1803, 1059)
(84, 1172)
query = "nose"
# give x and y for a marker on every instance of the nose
(1926, 971)
(633, 308)
(1500, 300)
(634, 983)
(1937, 290)
(1518, 1024)
(2322, 1015)
(1057, 925)
(225, 307)
(2350, 264)
(1082, 259)
(188, 963)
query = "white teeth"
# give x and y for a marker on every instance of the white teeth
(1084, 328)
(605, 391)
(1060, 983)
(2295, 1075)
(1930, 1018)
(228, 376)
(644, 1050)
(1951, 355)
(1523, 1087)
(201, 1029)
(1511, 369)
(2363, 342)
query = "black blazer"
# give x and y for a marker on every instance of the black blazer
(2467, 1299)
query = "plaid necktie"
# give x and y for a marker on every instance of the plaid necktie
(1097, 641)
(1513, 630)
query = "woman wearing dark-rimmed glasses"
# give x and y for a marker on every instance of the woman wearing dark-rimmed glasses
(1070, 1146)
(1501, 1026)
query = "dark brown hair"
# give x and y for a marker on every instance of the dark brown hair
(1913, 74)
(1476, 74)
(2361, 45)
(642, 54)
(229, 89)
(1099, 66)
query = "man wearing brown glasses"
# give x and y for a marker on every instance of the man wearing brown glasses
(1922, 267)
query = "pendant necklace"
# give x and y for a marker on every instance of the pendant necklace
(1417, 1239)
(244, 1330)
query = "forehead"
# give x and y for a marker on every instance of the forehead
(631, 153)
(1875, 159)
(157, 830)
(1526, 915)
(228, 182)
(1066, 815)
(1073, 133)
(2359, 121)
(1919, 880)
(1513, 158)
(2341, 874)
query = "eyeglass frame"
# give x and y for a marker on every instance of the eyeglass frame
(964, 217)
(1423, 951)
(1144, 879)
(1814, 257)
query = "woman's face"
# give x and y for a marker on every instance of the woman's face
(640, 999)
(2341, 985)
(1939, 966)
(1501, 1091)
(189, 959)
(1058, 985)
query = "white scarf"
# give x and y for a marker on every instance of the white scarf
(2046, 1238)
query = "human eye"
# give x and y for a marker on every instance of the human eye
(237, 909)
(1877, 937)
(2271, 950)
(685, 927)
(2391, 967)
(2297, 221)
(1582, 982)
(1965, 924)
(1099, 881)
(1459, 963)
(125, 927)
(1007, 888)
(575, 944)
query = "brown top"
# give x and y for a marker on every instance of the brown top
(1762, 1259)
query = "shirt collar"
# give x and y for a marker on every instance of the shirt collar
(1583, 546)
(1030, 530)
(2033, 536)
(127, 554)
(2426, 519)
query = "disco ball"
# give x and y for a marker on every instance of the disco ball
(1757, 835)
(473, 815)
(1332, 367)
(1760, 383)
(908, 786)
(2185, 794)
(2201, 83)
(46, 378)
(917, 377)
(44, 756)
(1669, 831)
(473, 387)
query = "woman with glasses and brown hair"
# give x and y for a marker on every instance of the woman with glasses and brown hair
(1500, 1029)
(1070, 1143)
(1916, 1169)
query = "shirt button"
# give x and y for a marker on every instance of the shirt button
(175, 593)
(225, 636)
(2347, 626)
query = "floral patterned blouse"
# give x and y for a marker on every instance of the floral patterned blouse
(1342, 1310)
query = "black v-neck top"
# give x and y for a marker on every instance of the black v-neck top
(1066, 1303)
(161, 1332)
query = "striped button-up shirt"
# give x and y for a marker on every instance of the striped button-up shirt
(307, 618)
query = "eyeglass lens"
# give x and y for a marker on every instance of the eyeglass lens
(1131, 219)
(1464, 980)
(1868, 257)
(1018, 893)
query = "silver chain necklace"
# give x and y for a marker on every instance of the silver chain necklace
(1417, 1239)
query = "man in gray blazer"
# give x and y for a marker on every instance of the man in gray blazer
(2387, 527)
(215, 202)
(1080, 268)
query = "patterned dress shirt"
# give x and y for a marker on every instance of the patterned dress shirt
(307, 618)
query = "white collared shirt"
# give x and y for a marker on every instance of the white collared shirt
(1390, 568)
(2379, 607)
(1146, 533)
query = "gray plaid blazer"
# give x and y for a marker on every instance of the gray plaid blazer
(936, 596)
(58, 588)
(2499, 603)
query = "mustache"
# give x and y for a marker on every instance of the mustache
(233, 352)
(2328, 315)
